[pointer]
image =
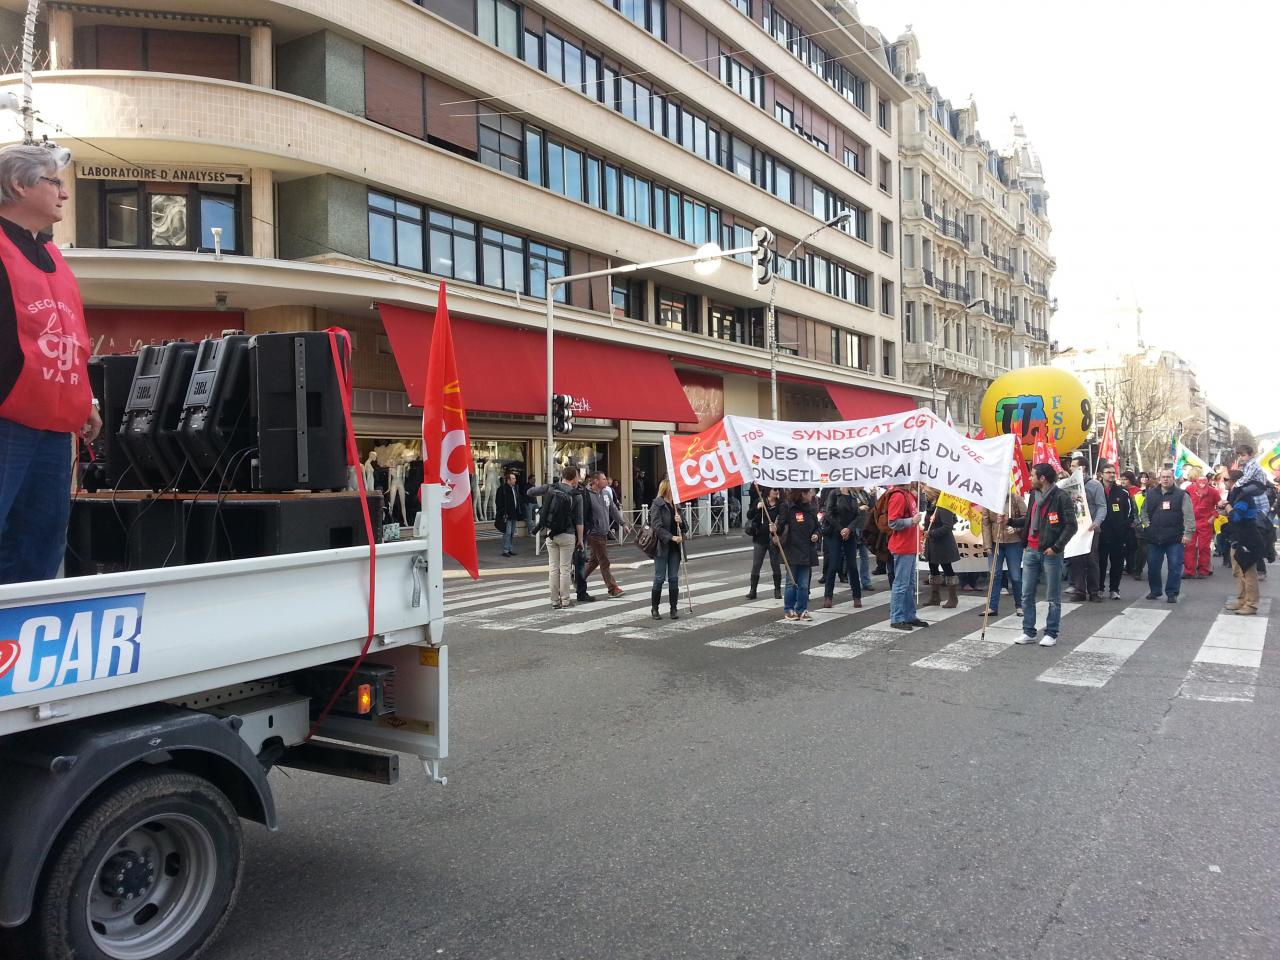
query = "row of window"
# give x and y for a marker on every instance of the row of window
(409, 235)
(788, 34)
(162, 216)
(499, 21)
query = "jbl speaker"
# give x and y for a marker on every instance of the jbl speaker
(298, 409)
(110, 377)
(237, 527)
(149, 429)
(216, 429)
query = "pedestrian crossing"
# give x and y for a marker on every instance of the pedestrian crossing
(1225, 669)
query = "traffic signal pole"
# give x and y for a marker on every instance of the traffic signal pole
(554, 282)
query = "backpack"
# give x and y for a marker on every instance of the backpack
(880, 513)
(557, 509)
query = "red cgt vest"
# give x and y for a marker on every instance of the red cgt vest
(52, 391)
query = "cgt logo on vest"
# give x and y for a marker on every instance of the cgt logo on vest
(58, 345)
(50, 645)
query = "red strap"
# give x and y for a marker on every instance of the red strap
(343, 373)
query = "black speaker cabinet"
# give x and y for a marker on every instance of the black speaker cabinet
(216, 430)
(149, 431)
(260, 526)
(110, 377)
(301, 431)
(109, 534)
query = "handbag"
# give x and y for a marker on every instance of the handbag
(647, 541)
(500, 524)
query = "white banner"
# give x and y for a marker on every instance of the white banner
(902, 448)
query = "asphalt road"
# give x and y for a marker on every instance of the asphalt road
(621, 790)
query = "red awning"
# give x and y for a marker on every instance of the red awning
(861, 403)
(503, 369)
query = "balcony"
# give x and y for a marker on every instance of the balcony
(1003, 316)
(1039, 288)
(951, 228)
(1003, 264)
(928, 278)
(942, 358)
(928, 209)
(953, 291)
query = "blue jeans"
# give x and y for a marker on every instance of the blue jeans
(841, 555)
(902, 600)
(1008, 558)
(1035, 566)
(797, 596)
(865, 554)
(35, 502)
(666, 567)
(1157, 553)
(509, 536)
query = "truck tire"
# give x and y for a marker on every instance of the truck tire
(149, 870)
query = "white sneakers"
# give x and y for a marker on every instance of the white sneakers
(1048, 641)
(1025, 639)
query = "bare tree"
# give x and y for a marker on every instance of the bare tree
(1139, 396)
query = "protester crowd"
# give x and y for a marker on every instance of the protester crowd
(1146, 523)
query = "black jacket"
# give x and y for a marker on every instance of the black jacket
(797, 523)
(509, 500)
(1120, 513)
(840, 511)
(940, 540)
(760, 521)
(1059, 524)
(662, 518)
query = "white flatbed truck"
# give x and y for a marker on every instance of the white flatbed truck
(141, 712)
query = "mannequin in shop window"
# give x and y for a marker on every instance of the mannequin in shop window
(489, 481)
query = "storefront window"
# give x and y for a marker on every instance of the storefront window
(172, 217)
(588, 457)
(493, 459)
(168, 220)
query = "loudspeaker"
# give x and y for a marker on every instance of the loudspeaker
(298, 409)
(216, 430)
(109, 535)
(110, 377)
(149, 431)
(239, 527)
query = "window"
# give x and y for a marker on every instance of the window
(741, 158)
(728, 323)
(888, 361)
(395, 231)
(886, 236)
(886, 175)
(452, 247)
(743, 5)
(784, 116)
(781, 181)
(164, 216)
(545, 261)
(908, 183)
(738, 76)
(611, 176)
(555, 57)
(503, 261)
(500, 138)
(908, 250)
(678, 311)
(591, 75)
(909, 322)
(573, 65)
(860, 288)
(498, 22)
(649, 14)
(593, 181)
(884, 113)
(861, 223)
(218, 208)
(533, 155)
(628, 299)
(886, 297)
(533, 49)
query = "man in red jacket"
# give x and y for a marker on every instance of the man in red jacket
(904, 545)
(44, 378)
(1205, 498)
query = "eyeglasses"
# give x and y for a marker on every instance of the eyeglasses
(56, 181)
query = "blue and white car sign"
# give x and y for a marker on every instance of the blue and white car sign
(49, 645)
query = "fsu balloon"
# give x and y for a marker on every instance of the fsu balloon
(1038, 400)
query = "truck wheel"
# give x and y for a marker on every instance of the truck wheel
(148, 871)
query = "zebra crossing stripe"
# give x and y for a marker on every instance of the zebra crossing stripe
(454, 588)
(1225, 669)
(1096, 661)
(495, 599)
(491, 619)
(778, 629)
(613, 620)
(882, 635)
(972, 650)
(689, 623)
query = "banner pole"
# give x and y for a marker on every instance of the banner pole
(764, 505)
(992, 589)
(688, 585)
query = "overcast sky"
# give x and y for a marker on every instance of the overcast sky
(1152, 122)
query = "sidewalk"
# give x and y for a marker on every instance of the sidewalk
(493, 563)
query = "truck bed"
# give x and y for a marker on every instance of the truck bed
(82, 646)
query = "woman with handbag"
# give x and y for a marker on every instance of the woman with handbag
(763, 542)
(940, 551)
(664, 519)
(797, 529)
(840, 522)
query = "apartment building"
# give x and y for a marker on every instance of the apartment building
(356, 154)
(975, 247)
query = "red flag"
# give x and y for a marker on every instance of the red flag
(1021, 476)
(446, 444)
(982, 435)
(1045, 452)
(1108, 446)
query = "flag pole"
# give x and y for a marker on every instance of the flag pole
(764, 505)
(995, 554)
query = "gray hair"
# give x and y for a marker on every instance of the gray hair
(23, 166)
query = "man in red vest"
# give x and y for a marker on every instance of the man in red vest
(44, 379)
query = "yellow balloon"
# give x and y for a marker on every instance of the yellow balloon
(1035, 400)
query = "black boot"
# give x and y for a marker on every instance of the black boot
(656, 596)
(777, 588)
(755, 582)
(675, 602)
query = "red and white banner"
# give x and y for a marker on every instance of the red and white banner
(701, 463)
(1108, 447)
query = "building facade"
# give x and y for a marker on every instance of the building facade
(975, 247)
(350, 155)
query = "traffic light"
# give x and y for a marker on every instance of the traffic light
(562, 413)
(762, 258)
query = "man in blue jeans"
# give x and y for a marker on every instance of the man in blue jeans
(1048, 526)
(904, 548)
(1169, 523)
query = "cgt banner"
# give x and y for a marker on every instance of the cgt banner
(701, 463)
(902, 448)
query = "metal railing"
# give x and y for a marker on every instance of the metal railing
(1002, 315)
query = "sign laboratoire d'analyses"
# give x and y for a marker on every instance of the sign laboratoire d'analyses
(902, 448)
(49, 645)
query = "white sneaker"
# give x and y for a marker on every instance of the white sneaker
(1026, 638)
(1048, 641)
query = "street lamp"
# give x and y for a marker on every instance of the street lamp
(839, 218)
(705, 262)
(933, 351)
